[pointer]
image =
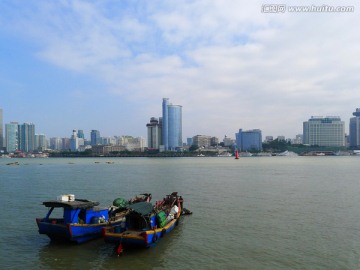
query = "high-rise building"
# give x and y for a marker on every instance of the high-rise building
(1, 129)
(11, 137)
(95, 137)
(324, 131)
(40, 142)
(80, 134)
(171, 125)
(74, 141)
(249, 140)
(26, 135)
(56, 143)
(354, 129)
(154, 131)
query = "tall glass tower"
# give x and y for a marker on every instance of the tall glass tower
(26, 137)
(1, 129)
(11, 137)
(171, 125)
(354, 128)
(95, 137)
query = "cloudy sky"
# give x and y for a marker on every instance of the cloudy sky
(106, 65)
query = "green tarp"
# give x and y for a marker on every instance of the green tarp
(143, 208)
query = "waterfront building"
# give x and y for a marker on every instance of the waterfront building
(56, 143)
(80, 134)
(250, 140)
(1, 129)
(171, 125)
(324, 131)
(40, 142)
(154, 131)
(269, 139)
(135, 144)
(106, 149)
(189, 141)
(26, 136)
(65, 143)
(228, 141)
(74, 141)
(214, 141)
(95, 137)
(11, 137)
(298, 139)
(201, 141)
(354, 128)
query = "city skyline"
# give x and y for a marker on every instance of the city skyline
(230, 64)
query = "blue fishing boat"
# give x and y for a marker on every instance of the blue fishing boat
(81, 220)
(145, 223)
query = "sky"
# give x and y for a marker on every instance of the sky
(107, 64)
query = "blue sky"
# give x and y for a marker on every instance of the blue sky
(106, 65)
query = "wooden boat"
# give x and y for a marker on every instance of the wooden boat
(81, 220)
(146, 224)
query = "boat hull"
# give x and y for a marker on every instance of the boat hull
(77, 233)
(139, 238)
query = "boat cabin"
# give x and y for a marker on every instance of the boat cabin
(78, 211)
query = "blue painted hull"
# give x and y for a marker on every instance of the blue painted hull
(78, 233)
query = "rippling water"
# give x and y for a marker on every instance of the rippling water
(251, 213)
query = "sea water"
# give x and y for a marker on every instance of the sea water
(250, 213)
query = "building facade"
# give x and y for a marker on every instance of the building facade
(154, 132)
(26, 136)
(80, 134)
(171, 125)
(201, 141)
(250, 140)
(56, 143)
(11, 137)
(74, 141)
(324, 131)
(95, 137)
(1, 129)
(354, 129)
(40, 142)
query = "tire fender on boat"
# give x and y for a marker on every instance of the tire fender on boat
(163, 232)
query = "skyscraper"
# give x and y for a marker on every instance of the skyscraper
(11, 137)
(324, 131)
(1, 129)
(26, 135)
(74, 141)
(154, 133)
(249, 140)
(40, 142)
(80, 134)
(95, 137)
(354, 129)
(171, 125)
